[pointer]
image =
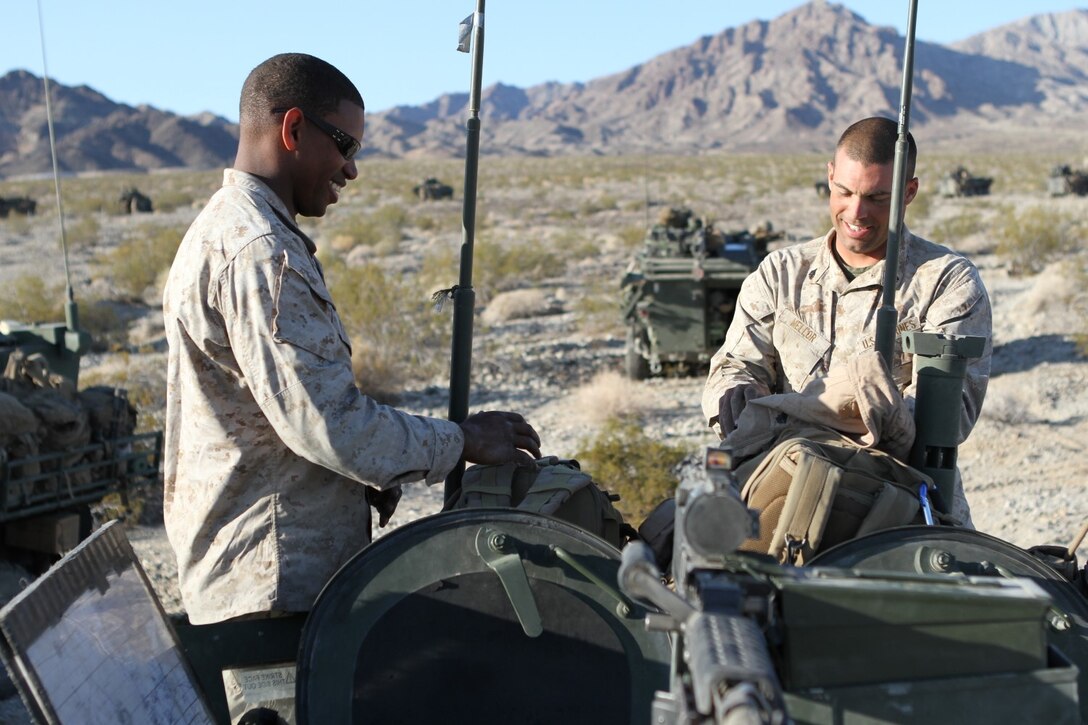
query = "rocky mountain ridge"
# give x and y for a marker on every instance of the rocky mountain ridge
(785, 85)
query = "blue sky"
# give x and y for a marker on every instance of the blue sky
(192, 56)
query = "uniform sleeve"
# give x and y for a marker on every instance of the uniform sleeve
(748, 354)
(962, 307)
(294, 355)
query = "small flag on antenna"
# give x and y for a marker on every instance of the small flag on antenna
(464, 35)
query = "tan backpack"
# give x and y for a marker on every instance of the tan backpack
(818, 490)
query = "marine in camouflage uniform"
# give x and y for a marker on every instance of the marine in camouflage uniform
(270, 447)
(808, 309)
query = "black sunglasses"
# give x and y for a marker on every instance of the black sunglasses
(344, 141)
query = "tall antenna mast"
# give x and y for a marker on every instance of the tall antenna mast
(464, 297)
(71, 312)
(886, 316)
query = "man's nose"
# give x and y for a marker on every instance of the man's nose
(857, 207)
(351, 170)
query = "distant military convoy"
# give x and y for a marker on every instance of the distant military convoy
(1063, 180)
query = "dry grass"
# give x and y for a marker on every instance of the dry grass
(516, 305)
(609, 395)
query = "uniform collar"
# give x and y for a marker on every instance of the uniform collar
(256, 186)
(826, 270)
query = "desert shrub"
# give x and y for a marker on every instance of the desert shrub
(16, 225)
(171, 199)
(572, 245)
(1028, 239)
(597, 307)
(82, 231)
(82, 201)
(631, 236)
(395, 335)
(499, 268)
(100, 320)
(381, 229)
(135, 264)
(920, 207)
(437, 219)
(609, 396)
(604, 202)
(951, 230)
(516, 305)
(30, 299)
(624, 460)
(820, 223)
(495, 268)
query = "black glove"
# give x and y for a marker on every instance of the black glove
(384, 502)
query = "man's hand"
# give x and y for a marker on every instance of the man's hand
(733, 401)
(384, 502)
(499, 437)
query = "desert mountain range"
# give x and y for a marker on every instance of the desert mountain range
(785, 85)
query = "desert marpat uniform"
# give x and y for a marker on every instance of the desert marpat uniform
(268, 441)
(798, 316)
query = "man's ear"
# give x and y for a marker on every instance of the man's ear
(291, 128)
(911, 192)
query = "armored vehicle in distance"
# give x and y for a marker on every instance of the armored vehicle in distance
(432, 189)
(960, 183)
(680, 291)
(22, 205)
(1064, 180)
(62, 450)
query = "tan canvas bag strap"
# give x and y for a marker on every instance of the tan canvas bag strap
(895, 506)
(487, 486)
(806, 509)
(554, 485)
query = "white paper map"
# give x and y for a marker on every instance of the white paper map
(88, 643)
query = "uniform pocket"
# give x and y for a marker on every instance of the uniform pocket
(801, 350)
(303, 311)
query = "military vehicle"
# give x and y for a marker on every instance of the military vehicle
(1063, 180)
(959, 182)
(680, 291)
(132, 200)
(432, 189)
(62, 450)
(18, 205)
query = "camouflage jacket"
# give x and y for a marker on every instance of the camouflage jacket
(798, 316)
(268, 440)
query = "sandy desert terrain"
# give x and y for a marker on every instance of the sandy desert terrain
(1024, 466)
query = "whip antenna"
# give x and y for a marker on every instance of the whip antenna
(464, 297)
(71, 312)
(886, 316)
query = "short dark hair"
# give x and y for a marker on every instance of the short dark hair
(872, 141)
(294, 79)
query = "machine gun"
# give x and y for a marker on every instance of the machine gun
(876, 635)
